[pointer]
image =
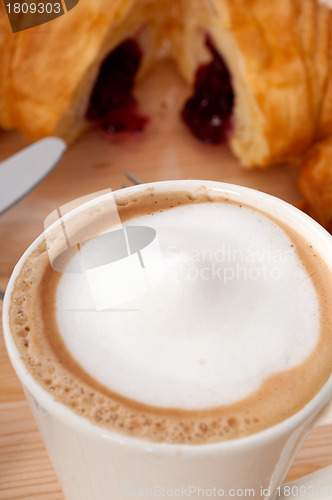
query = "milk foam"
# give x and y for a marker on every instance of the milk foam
(235, 306)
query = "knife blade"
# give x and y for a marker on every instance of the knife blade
(23, 171)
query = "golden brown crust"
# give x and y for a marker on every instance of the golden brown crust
(48, 68)
(315, 24)
(277, 78)
(279, 55)
(316, 182)
(52, 70)
(7, 44)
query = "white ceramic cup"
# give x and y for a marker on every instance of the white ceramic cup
(95, 464)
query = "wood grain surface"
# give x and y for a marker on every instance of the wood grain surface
(164, 151)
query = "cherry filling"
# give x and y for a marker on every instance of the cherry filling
(208, 112)
(112, 105)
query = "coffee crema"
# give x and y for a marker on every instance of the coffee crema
(236, 336)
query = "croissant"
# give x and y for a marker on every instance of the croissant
(316, 182)
(267, 67)
(49, 71)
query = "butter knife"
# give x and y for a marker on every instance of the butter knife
(23, 171)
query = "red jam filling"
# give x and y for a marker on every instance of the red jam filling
(208, 112)
(112, 104)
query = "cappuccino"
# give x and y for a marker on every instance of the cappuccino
(233, 335)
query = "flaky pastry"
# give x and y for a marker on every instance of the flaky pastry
(278, 54)
(316, 182)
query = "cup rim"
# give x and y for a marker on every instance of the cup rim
(61, 411)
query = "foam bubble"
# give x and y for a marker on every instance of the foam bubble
(235, 306)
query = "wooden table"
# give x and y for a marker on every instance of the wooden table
(164, 151)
